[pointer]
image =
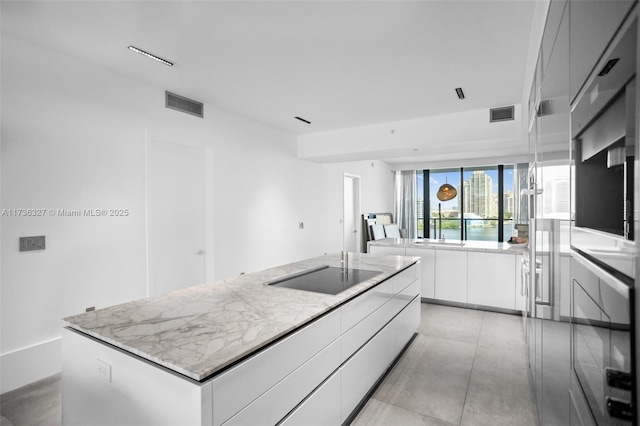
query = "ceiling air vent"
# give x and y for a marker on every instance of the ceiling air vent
(182, 104)
(544, 108)
(501, 114)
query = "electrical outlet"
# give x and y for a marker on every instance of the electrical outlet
(104, 370)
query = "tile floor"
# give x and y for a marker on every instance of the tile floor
(465, 367)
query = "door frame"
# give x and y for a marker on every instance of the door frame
(357, 209)
(209, 255)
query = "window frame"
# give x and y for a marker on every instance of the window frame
(426, 205)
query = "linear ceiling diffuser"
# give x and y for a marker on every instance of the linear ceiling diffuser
(182, 104)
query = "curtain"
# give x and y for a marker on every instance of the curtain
(405, 202)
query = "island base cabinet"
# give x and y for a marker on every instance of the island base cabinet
(274, 404)
(318, 375)
(361, 372)
(104, 386)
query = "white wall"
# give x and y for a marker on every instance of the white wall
(376, 194)
(73, 137)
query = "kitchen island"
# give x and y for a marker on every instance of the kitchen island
(240, 351)
(473, 274)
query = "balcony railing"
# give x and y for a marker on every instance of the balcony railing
(466, 229)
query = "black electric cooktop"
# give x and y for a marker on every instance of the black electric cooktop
(325, 279)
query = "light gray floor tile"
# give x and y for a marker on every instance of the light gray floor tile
(5, 421)
(433, 380)
(451, 323)
(502, 331)
(35, 404)
(499, 390)
(377, 413)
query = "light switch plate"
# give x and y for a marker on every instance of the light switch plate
(32, 243)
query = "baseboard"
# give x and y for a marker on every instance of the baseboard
(471, 306)
(28, 365)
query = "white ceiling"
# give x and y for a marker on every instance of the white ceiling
(338, 64)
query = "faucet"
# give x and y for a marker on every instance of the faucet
(344, 263)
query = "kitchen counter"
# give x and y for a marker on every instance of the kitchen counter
(200, 330)
(481, 246)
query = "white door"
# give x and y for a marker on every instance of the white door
(351, 237)
(176, 216)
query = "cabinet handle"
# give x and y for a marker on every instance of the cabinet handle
(618, 379)
(539, 300)
(619, 409)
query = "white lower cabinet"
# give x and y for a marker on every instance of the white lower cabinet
(322, 408)
(451, 275)
(371, 330)
(362, 370)
(491, 279)
(360, 373)
(428, 262)
(238, 387)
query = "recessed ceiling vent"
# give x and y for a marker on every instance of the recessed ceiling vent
(544, 108)
(501, 114)
(182, 104)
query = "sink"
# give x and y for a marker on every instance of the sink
(324, 279)
(453, 243)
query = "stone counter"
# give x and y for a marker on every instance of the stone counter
(200, 330)
(481, 246)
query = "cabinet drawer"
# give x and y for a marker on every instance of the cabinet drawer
(358, 335)
(362, 371)
(404, 278)
(274, 404)
(236, 388)
(355, 311)
(322, 408)
(405, 325)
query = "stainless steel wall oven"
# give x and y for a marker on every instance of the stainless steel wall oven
(603, 385)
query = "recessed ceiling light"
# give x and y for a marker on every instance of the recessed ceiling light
(459, 93)
(152, 56)
(302, 119)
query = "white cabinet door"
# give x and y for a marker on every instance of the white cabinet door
(399, 251)
(492, 279)
(428, 261)
(451, 275)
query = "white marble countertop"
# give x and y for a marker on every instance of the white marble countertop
(200, 330)
(483, 246)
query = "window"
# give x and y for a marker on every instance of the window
(446, 213)
(482, 210)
